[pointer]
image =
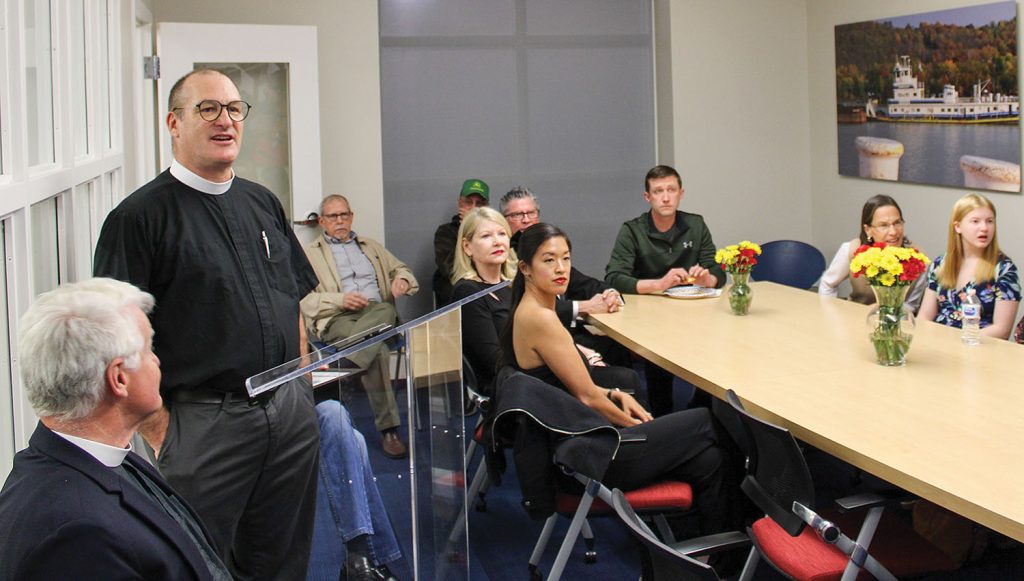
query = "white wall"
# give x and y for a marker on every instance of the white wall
(751, 127)
(837, 200)
(739, 125)
(739, 115)
(349, 60)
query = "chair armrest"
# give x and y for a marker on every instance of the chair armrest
(483, 401)
(872, 499)
(632, 438)
(711, 544)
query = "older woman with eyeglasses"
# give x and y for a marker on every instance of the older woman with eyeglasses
(881, 221)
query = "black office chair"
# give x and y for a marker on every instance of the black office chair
(477, 491)
(804, 544)
(789, 262)
(676, 561)
(550, 433)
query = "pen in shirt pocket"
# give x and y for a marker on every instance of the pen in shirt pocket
(266, 242)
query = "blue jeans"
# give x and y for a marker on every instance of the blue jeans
(348, 503)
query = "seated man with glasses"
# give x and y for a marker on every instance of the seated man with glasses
(359, 280)
(584, 295)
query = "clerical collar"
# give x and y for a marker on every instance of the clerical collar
(332, 240)
(109, 456)
(192, 180)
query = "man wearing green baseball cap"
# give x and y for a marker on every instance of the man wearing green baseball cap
(474, 194)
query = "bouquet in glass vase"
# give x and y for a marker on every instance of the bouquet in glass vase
(738, 260)
(890, 270)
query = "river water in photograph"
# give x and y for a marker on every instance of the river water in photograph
(932, 150)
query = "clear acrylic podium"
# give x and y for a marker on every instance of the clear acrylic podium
(432, 533)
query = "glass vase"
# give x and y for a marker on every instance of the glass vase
(740, 293)
(891, 325)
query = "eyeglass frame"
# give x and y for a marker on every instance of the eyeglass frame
(886, 227)
(221, 107)
(338, 216)
(519, 216)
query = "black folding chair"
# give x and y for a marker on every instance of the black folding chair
(675, 561)
(804, 544)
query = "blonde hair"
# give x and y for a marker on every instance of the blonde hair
(463, 266)
(950, 267)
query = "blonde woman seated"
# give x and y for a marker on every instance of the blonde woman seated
(881, 220)
(973, 261)
(681, 446)
(483, 258)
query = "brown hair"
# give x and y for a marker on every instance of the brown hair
(867, 214)
(661, 171)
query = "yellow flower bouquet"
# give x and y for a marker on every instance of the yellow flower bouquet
(890, 270)
(740, 257)
(738, 260)
(885, 265)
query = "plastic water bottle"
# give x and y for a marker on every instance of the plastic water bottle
(970, 317)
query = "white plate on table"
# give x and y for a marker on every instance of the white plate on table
(693, 292)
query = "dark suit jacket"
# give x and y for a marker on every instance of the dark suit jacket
(581, 288)
(64, 515)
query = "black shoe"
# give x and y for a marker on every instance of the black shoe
(385, 573)
(392, 445)
(361, 569)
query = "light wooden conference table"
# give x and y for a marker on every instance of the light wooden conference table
(948, 426)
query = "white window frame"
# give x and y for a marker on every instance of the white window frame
(68, 176)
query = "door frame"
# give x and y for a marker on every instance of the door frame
(182, 44)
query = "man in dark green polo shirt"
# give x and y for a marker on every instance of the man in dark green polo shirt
(660, 249)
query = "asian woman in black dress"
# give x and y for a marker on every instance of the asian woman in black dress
(681, 446)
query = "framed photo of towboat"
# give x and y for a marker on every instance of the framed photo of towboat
(931, 98)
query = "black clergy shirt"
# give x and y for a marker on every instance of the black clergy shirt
(227, 273)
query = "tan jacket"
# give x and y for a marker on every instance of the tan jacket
(327, 298)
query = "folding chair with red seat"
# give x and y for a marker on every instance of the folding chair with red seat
(807, 545)
(663, 561)
(657, 500)
(551, 433)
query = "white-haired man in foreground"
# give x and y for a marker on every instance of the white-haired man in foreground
(79, 502)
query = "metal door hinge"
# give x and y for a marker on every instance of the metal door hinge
(151, 67)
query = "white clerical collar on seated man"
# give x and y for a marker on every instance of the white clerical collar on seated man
(109, 456)
(192, 180)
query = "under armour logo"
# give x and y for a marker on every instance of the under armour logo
(688, 244)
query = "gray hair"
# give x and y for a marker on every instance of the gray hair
(69, 336)
(331, 198)
(516, 193)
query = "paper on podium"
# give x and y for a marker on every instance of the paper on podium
(316, 361)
